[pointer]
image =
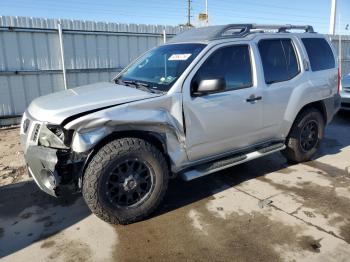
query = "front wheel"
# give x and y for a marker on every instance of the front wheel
(305, 136)
(125, 181)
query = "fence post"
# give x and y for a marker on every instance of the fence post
(60, 36)
(164, 36)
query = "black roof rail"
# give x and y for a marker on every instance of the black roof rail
(232, 31)
(245, 29)
(284, 28)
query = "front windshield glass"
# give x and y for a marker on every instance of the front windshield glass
(159, 68)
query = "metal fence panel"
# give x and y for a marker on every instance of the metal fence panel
(31, 64)
(30, 55)
(345, 52)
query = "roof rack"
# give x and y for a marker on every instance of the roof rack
(241, 30)
(233, 30)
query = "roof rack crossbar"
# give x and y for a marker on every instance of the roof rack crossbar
(245, 29)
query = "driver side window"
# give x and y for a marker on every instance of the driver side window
(231, 63)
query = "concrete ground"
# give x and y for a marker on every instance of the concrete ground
(265, 210)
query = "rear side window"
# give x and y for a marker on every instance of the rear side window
(279, 60)
(231, 63)
(320, 53)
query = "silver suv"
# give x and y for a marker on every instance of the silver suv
(209, 99)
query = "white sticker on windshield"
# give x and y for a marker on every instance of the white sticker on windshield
(175, 57)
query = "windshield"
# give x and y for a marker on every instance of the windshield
(159, 68)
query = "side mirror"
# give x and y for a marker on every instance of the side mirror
(209, 86)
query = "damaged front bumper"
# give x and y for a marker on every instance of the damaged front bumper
(55, 171)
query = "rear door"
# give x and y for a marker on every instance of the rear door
(228, 120)
(281, 74)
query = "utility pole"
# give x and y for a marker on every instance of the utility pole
(333, 17)
(188, 13)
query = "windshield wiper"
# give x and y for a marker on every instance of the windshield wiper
(135, 83)
(140, 85)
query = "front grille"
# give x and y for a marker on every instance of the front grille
(36, 132)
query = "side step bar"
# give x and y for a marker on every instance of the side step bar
(211, 167)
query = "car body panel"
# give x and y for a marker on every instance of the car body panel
(55, 108)
(193, 129)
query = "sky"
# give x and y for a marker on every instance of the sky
(174, 12)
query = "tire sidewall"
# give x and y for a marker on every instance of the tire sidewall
(307, 116)
(97, 171)
(147, 203)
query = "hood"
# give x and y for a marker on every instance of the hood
(54, 108)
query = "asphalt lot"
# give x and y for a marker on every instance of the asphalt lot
(264, 210)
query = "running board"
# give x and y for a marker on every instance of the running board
(209, 168)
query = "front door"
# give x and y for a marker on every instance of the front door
(220, 122)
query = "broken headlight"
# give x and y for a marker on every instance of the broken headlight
(54, 136)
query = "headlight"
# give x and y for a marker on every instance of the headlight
(53, 136)
(25, 125)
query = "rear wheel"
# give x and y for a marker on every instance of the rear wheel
(305, 136)
(125, 181)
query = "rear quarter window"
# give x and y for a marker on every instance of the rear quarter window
(320, 53)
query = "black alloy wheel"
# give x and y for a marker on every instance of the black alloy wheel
(309, 135)
(129, 183)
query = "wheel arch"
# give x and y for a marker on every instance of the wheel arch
(154, 138)
(318, 105)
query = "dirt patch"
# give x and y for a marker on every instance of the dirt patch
(310, 244)
(309, 214)
(345, 232)
(48, 244)
(12, 165)
(70, 251)
(287, 170)
(329, 170)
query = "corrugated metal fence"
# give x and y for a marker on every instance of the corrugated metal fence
(345, 51)
(31, 57)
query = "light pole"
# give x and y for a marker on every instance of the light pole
(340, 51)
(206, 11)
(332, 18)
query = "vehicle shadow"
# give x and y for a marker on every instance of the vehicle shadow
(28, 215)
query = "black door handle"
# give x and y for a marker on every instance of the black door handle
(253, 98)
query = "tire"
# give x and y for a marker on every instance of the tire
(115, 179)
(298, 149)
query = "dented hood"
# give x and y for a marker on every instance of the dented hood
(55, 108)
